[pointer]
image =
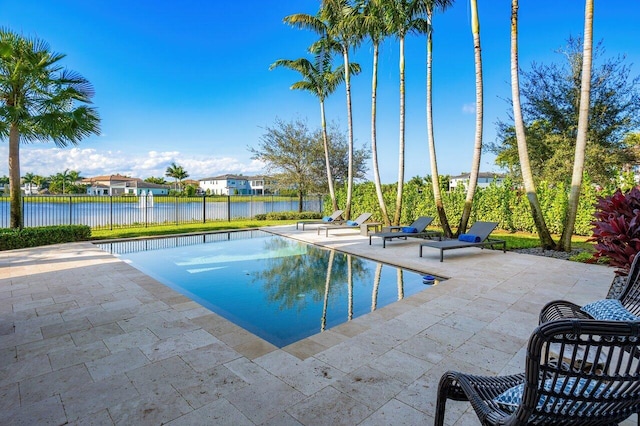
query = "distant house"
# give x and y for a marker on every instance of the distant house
(484, 180)
(119, 185)
(237, 185)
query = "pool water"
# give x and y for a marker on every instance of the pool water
(277, 288)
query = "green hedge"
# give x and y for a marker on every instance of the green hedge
(504, 204)
(288, 216)
(11, 239)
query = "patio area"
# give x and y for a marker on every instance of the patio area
(87, 339)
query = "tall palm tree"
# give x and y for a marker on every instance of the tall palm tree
(337, 19)
(583, 127)
(477, 147)
(178, 173)
(320, 79)
(527, 176)
(39, 100)
(425, 26)
(375, 27)
(401, 15)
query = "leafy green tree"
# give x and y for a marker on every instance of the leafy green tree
(550, 96)
(339, 157)
(39, 100)
(66, 182)
(157, 180)
(287, 149)
(178, 173)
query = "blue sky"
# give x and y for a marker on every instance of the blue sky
(189, 81)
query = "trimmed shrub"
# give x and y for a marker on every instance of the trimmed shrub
(11, 239)
(616, 229)
(288, 216)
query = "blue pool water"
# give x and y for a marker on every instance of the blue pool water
(274, 287)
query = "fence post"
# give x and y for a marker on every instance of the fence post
(176, 208)
(229, 208)
(204, 209)
(70, 213)
(111, 212)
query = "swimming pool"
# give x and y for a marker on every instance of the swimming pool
(277, 288)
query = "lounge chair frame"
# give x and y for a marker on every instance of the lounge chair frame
(481, 229)
(395, 232)
(359, 220)
(335, 218)
(610, 390)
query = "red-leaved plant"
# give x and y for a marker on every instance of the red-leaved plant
(616, 229)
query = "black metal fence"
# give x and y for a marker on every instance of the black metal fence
(110, 212)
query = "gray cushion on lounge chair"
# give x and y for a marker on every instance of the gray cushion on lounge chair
(480, 229)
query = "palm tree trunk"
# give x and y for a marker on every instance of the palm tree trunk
(349, 288)
(374, 146)
(325, 302)
(398, 215)
(376, 287)
(435, 177)
(325, 142)
(546, 241)
(583, 127)
(347, 83)
(14, 178)
(477, 148)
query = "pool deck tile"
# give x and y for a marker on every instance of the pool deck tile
(87, 339)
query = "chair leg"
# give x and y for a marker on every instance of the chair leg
(443, 392)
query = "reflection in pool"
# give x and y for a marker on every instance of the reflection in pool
(280, 289)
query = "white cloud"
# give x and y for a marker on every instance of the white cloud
(469, 108)
(93, 162)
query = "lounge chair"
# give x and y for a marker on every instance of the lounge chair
(345, 225)
(334, 218)
(576, 372)
(629, 300)
(477, 236)
(416, 230)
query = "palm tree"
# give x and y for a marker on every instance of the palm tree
(477, 148)
(425, 26)
(527, 176)
(401, 15)
(321, 80)
(38, 102)
(583, 127)
(374, 26)
(178, 173)
(63, 179)
(29, 179)
(337, 20)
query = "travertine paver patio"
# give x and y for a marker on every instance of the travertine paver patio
(87, 339)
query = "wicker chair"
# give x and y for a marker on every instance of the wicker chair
(629, 297)
(575, 391)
